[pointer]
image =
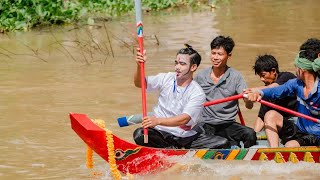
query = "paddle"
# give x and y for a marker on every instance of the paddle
(142, 76)
(241, 117)
(231, 98)
(218, 101)
(289, 111)
(135, 119)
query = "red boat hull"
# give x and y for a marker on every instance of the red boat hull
(132, 158)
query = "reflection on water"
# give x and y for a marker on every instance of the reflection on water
(81, 75)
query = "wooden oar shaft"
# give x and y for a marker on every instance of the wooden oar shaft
(142, 75)
(289, 111)
(231, 98)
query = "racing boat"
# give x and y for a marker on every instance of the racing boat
(133, 159)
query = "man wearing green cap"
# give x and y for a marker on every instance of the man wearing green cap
(307, 89)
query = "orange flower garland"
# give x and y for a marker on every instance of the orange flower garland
(112, 160)
(89, 161)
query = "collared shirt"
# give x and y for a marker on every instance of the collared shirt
(174, 100)
(231, 83)
(306, 105)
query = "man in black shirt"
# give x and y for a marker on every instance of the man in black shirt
(266, 66)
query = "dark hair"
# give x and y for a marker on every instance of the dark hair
(265, 63)
(226, 42)
(310, 49)
(195, 57)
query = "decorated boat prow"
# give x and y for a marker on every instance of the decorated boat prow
(133, 159)
(130, 158)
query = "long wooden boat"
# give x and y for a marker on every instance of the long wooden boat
(133, 159)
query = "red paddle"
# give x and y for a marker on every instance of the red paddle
(289, 111)
(142, 77)
(231, 98)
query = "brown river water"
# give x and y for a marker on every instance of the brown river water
(47, 73)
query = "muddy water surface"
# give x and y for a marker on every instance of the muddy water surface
(47, 73)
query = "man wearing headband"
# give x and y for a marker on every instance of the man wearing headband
(180, 102)
(307, 90)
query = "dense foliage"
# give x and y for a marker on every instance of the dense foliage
(25, 14)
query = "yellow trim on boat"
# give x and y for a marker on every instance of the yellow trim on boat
(279, 158)
(200, 153)
(263, 157)
(293, 158)
(308, 157)
(233, 154)
(300, 149)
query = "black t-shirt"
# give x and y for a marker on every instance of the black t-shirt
(287, 102)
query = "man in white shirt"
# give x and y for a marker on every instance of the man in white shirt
(180, 103)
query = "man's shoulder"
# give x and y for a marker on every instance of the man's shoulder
(160, 79)
(295, 81)
(168, 73)
(196, 87)
(202, 74)
(288, 75)
(292, 83)
(165, 75)
(195, 84)
(204, 71)
(235, 72)
(235, 75)
(283, 77)
(196, 93)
